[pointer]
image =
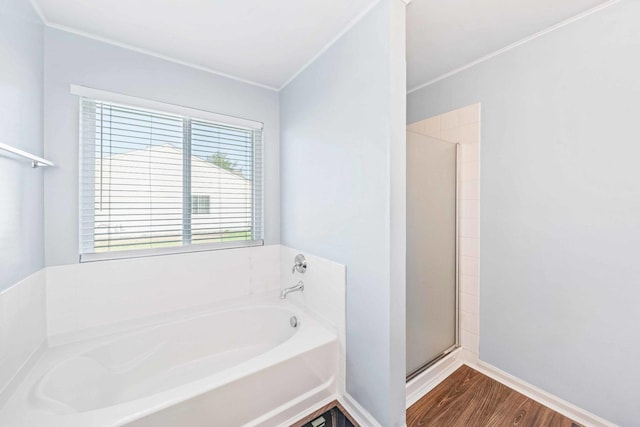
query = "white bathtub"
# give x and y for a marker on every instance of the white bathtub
(243, 364)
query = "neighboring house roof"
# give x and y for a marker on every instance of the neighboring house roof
(173, 153)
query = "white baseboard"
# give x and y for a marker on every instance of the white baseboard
(426, 381)
(549, 400)
(361, 415)
(308, 410)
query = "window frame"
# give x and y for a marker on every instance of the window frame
(187, 114)
(197, 204)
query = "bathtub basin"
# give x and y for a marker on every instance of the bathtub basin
(241, 364)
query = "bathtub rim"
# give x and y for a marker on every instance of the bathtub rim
(131, 325)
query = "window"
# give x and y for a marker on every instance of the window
(163, 182)
(199, 204)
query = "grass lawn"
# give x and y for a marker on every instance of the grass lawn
(168, 241)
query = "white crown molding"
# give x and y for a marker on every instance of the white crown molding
(516, 44)
(36, 7)
(107, 40)
(157, 55)
(330, 43)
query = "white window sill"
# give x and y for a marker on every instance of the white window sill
(141, 253)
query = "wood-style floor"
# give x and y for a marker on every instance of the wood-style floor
(468, 398)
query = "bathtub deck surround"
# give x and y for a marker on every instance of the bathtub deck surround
(23, 330)
(221, 343)
(324, 295)
(95, 294)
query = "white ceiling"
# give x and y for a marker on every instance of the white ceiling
(263, 41)
(443, 35)
(269, 41)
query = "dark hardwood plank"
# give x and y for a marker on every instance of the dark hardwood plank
(468, 398)
(443, 401)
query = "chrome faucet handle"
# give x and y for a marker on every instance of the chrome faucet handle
(300, 264)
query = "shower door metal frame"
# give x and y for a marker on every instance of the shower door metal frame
(456, 343)
(457, 245)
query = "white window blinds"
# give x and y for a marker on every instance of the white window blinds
(162, 182)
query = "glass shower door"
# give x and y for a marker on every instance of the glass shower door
(431, 250)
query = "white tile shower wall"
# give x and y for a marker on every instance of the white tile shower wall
(324, 294)
(463, 126)
(22, 325)
(88, 295)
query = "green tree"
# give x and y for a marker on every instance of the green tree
(223, 162)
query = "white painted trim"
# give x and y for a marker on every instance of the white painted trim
(429, 379)
(162, 107)
(36, 7)
(107, 40)
(156, 55)
(330, 43)
(361, 415)
(549, 400)
(309, 410)
(516, 44)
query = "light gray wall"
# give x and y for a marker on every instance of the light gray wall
(560, 208)
(342, 135)
(72, 59)
(21, 206)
